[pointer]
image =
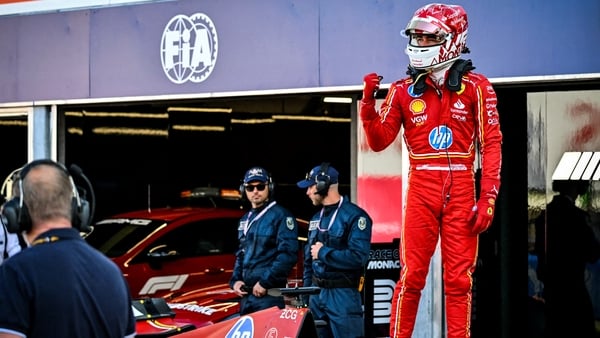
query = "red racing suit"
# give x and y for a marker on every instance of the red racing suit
(442, 130)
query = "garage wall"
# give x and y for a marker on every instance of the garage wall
(122, 51)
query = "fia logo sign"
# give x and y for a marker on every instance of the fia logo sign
(189, 48)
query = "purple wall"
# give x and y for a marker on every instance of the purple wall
(278, 44)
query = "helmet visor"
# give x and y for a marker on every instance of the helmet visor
(418, 25)
(417, 39)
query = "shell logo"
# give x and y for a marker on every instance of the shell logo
(417, 106)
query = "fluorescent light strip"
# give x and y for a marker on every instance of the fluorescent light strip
(252, 121)
(197, 128)
(77, 131)
(130, 131)
(201, 110)
(74, 113)
(311, 118)
(118, 114)
(20, 123)
(9, 113)
(333, 99)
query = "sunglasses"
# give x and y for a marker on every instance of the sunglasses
(259, 187)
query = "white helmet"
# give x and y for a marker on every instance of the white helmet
(448, 24)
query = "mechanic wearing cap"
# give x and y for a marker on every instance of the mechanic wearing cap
(449, 118)
(339, 240)
(268, 236)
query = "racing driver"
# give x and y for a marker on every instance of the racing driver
(449, 118)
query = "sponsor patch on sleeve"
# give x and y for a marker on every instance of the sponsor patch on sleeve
(362, 223)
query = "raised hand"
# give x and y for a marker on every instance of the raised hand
(371, 84)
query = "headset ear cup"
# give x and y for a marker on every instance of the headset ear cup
(242, 191)
(10, 214)
(83, 216)
(24, 220)
(80, 210)
(322, 187)
(322, 179)
(16, 217)
(271, 186)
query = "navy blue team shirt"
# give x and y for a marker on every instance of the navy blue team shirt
(64, 288)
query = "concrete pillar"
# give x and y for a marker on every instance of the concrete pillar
(41, 125)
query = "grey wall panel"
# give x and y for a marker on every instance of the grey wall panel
(507, 38)
(359, 37)
(53, 56)
(278, 44)
(8, 58)
(512, 38)
(261, 45)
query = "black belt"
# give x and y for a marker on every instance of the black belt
(336, 283)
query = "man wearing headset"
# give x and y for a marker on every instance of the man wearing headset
(448, 113)
(268, 237)
(59, 286)
(335, 258)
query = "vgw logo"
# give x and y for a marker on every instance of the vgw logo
(189, 48)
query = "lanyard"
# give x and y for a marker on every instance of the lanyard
(249, 223)
(332, 217)
(49, 239)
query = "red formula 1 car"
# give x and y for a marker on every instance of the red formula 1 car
(166, 317)
(170, 251)
(295, 320)
(184, 255)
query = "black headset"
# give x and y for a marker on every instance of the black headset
(269, 183)
(322, 179)
(15, 211)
